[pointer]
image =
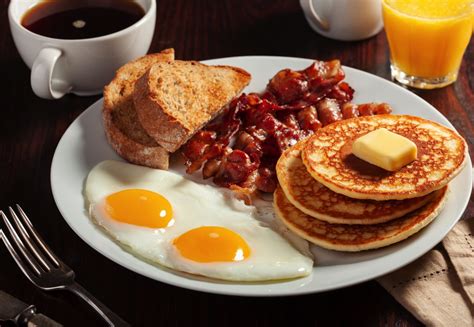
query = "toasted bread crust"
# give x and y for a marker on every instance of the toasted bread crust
(163, 128)
(121, 125)
(199, 93)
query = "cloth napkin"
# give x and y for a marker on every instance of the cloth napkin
(438, 288)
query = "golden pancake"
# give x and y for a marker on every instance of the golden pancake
(355, 237)
(316, 200)
(328, 158)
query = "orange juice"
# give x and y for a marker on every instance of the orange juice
(427, 38)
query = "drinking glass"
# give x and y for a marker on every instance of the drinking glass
(427, 39)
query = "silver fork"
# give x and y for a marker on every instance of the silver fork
(43, 268)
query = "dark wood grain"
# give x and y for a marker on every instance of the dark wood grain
(30, 129)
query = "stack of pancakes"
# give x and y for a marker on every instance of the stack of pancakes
(340, 202)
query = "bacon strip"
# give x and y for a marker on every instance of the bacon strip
(240, 148)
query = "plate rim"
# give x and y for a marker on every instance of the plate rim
(196, 284)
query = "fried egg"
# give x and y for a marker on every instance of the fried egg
(164, 218)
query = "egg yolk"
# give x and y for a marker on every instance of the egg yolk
(212, 244)
(139, 207)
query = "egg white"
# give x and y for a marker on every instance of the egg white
(194, 205)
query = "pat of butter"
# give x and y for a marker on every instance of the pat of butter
(385, 149)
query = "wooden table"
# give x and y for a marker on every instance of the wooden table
(30, 129)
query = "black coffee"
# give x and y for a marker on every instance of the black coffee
(81, 19)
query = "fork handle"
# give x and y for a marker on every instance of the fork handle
(108, 315)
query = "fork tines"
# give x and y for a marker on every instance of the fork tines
(41, 266)
(35, 252)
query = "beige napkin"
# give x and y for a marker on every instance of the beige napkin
(438, 288)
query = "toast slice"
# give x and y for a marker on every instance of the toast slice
(122, 127)
(175, 99)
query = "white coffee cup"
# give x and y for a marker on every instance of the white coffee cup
(82, 66)
(345, 20)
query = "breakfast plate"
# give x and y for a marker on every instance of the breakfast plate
(84, 145)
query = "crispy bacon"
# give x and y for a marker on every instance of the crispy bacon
(211, 167)
(329, 111)
(235, 168)
(266, 180)
(324, 74)
(341, 92)
(350, 110)
(239, 149)
(199, 149)
(290, 121)
(308, 119)
(370, 109)
(288, 85)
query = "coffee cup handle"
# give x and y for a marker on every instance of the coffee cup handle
(316, 18)
(42, 81)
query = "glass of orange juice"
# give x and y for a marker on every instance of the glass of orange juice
(427, 39)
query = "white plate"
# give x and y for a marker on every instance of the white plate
(83, 145)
